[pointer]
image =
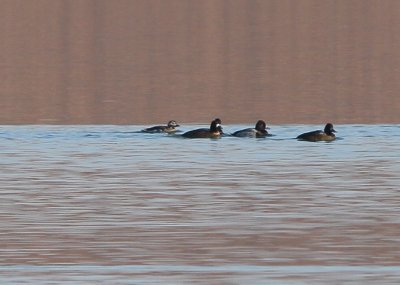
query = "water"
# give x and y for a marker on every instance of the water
(108, 205)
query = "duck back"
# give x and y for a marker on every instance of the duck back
(251, 133)
(155, 129)
(315, 136)
(199, 133)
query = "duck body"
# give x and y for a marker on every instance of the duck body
(249, 133)
(201, 133)
(260, 131)
(215, 131)
(326, 135)
(169, 128)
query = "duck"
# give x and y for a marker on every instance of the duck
(169, 128)
(259, 131)
(326, 135)
(215, 131)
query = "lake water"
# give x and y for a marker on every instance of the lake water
(109, 205)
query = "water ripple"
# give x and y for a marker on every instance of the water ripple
(155, 207)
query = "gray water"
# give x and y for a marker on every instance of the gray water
(109, 205)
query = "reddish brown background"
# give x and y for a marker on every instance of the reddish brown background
(148, 61)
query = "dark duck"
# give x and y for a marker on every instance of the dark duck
(215, 131)
(259, 131)
(326, 135)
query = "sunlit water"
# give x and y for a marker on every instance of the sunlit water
(109, 205)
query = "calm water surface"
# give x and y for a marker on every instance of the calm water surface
(108, 205)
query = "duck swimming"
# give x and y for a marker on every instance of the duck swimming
(215, 131)
(259, 131)
(326, 135)
(169, 128)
